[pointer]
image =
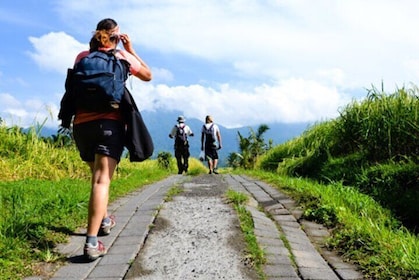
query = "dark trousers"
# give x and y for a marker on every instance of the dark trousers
(182, 157)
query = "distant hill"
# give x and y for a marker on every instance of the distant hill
(160, 124)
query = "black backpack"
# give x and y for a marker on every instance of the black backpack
(181, 139)
(99, 81)
(209, 136)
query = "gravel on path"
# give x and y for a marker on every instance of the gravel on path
(196, 236)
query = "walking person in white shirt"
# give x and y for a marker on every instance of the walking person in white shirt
(211, 143)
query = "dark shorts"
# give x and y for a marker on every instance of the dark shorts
(182, 152)
(211, 153)
(104, 137)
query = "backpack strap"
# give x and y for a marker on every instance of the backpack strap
(182, 127)
(209, 129)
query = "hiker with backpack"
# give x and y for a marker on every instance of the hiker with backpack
(180, 133)
(211, 143)
(94, 87)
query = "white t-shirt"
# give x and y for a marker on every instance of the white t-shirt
(186, 129)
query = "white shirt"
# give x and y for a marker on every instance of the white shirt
(186, 129)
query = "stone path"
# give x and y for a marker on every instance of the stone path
(292, 247)
(310, 264)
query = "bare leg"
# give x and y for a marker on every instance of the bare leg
(102, 172)
(210, 164)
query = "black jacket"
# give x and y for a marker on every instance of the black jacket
(137, 137)
(68, 102)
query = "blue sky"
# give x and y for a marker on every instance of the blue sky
(245, 62)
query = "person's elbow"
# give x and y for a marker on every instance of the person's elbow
(144, 75)
(148, 77)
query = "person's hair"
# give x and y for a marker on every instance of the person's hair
(102, 37)
(106, 24)
(208, 119)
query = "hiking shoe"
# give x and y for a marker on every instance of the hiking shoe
(210, 172)
(105, 228)
(215, 171)
(93, 252)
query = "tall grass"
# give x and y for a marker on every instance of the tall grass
(25, 155)
(380, 127)
(372, 145)
(383, 126)
(305, 151)
(362, 231)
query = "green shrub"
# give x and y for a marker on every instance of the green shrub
(394, 185)
(302, 156)
(345, 169)
(308, 165)
(323, 214)
(164, 160)
(274, 156)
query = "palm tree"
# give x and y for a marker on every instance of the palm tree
(250, 147)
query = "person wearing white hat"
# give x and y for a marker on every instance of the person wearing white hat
(180, 133)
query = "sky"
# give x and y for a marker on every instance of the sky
(245, 62)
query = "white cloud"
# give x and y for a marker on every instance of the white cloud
(276, 39)
(162, 75)
(7, 100)
(28, 113)
(293, 100)
(335, 76)
(55, 51)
